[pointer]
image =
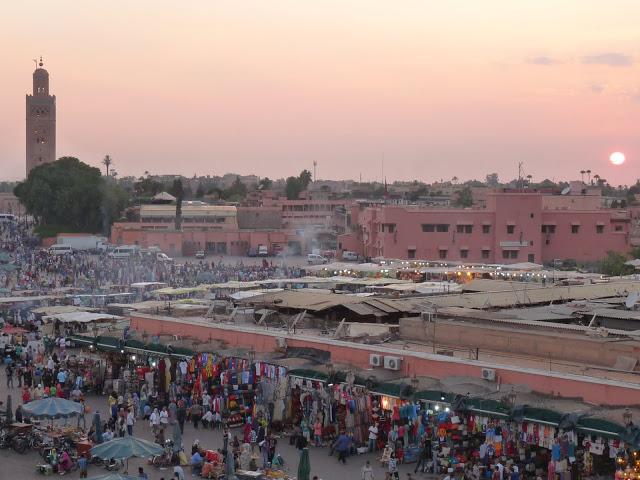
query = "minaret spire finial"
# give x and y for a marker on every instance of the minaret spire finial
(41, 63)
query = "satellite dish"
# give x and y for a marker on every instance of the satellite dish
(631, 300)
(565, 191)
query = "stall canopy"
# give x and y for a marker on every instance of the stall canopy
(82, 317)
(11, 330)
(126, 447)
(52, 407)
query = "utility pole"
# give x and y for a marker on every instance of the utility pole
(315, 164)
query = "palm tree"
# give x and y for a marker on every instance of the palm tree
(596, 177)
(107, 162)
(588, 176)
(454, 180)
(582, 172)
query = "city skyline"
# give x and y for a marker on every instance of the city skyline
(436, 91)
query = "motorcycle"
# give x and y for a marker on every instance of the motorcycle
(165, 459)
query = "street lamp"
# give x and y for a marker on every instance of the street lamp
(415, 383)
(627, 417)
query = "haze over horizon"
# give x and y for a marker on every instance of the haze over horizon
(437, 89)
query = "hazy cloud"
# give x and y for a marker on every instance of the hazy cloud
(596, 87)
(542, 60)
(608, 59)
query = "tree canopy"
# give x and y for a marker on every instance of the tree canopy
(72, 195)
(296, 185)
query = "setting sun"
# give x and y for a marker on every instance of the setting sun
(617, 158)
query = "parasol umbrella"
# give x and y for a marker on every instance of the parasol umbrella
(177, 437)
(11, 330)
(125, 448)
(304, 467)
(113, 476)
(51, 408)
(9, 410)
(230, 466)
(98, 427)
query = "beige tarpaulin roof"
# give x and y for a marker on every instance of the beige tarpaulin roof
(82, 317)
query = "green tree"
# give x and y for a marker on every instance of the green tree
(492, 180)
(236, 192)
(147, 187)
(305, 178)
(177, 190)
(65, 193)
(265, 184)
(464, 198)
(200, 191)
(293, 187)
(115, 200)
(107, 161)
(614, 265)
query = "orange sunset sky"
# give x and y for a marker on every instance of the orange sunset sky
(436, 88)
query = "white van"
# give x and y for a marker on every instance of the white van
(59, 249)
(124, 251)
(314, 259)
(7, 218)
(348, 256)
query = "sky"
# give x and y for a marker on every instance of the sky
(408, 89)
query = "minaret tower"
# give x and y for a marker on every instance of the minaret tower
(41, 121)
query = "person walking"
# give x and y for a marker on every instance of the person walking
(425, 453)
(373, 437)
(131, 420)
(9, 372)
(342, 446)
(367, 471)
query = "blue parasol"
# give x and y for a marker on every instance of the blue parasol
(52, 407)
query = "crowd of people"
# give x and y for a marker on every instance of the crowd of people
(36, 269)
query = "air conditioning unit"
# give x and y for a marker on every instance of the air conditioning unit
(489, 374)
(392, 363)
(375, 360)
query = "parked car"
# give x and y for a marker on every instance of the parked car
(200, 254)
(124, 251)
(348, 256)
(314, 259)
(59, 249)
(163, 257)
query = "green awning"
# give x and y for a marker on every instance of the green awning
(434, 396)
(600, 427)
(309, 374)
(542, 416)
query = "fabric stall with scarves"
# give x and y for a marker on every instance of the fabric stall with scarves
(475, 431)
(232, 384)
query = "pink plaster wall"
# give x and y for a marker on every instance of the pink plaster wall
(522, 210)
(598, 393)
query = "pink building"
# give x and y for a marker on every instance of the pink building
(516, 226)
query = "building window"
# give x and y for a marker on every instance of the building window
(575, 228)
(389, 227)
(486, 228)
(411, 253)
(548, 229)
(599, 228)
(618, 228)
(464, 253)
(531, 258)
(509, 254)
(465, 229)
(486, 253)
(442, 254)
(435, 227)
(511, 229)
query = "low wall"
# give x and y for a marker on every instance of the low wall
(571, 348)
(590, 389)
